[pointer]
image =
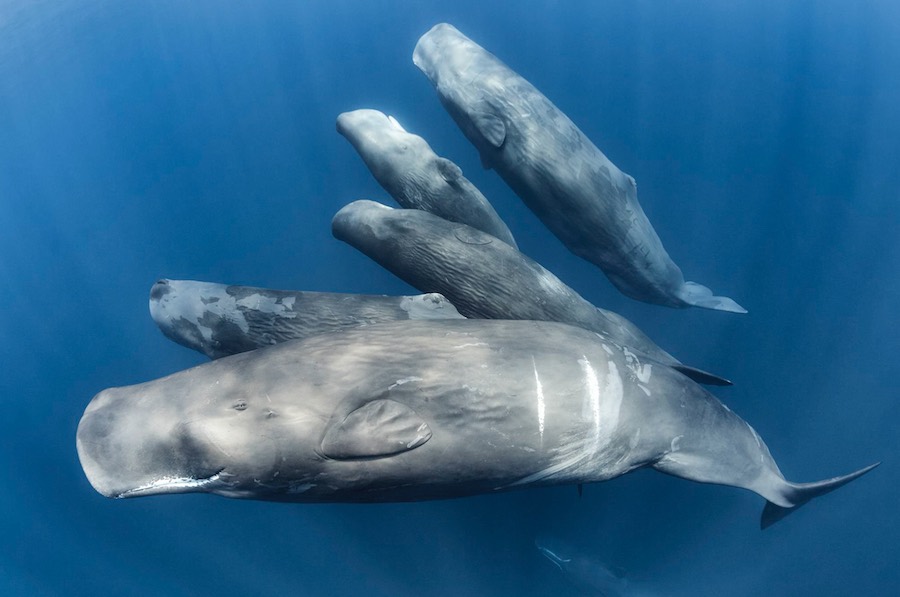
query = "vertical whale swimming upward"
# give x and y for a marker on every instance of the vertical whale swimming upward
(416, 177)
(581, 196)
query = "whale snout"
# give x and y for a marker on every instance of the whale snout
(130, 446)
(160, 289)
(98, 446)
(161, 293)
(370, 131)
(436, 48)
(358, 221)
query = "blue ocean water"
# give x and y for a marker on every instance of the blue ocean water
(196, 140)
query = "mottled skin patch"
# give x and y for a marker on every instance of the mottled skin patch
(219, 320)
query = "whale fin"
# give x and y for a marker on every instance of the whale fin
(490, 127)
(795, 495)
(379, 428)
(699, 295)
(701, 376)
(395, 124)
(449, 171)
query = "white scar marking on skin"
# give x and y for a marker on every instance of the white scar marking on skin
(171, 483)
(758, 441)
(400, 382)
(470, 344)
(267, 304)
(181, 304)
(593, 396)
(646, 391)
(612, 403)
(641, 371)
(540, 400)
(422, 433)
(301, 488)
(673, 447)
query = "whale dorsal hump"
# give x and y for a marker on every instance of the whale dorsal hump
(379, 428)
(491, 128)
(450, 172)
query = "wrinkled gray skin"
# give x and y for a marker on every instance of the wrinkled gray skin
(582, 197)
(483, 278)
(219, 320)
(416, 177)
(416, 410)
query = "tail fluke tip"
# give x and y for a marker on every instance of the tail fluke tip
(800, 493)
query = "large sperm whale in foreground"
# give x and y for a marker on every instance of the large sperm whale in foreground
(581, 196)
(482, 277)
(419, 410)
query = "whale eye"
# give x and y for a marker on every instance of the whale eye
(240, 405)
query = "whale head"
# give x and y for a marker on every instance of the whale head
(368, 225)
(471, 83)
(384, 145)
(371, 132)
(402, 163)
(197, 314)
(446, 56)
(213, 428)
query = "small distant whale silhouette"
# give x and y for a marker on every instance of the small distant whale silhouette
(589, 574)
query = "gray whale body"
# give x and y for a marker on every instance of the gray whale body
(483, 278)
(581, 196)
(415, 176)
(420, 410)
(219, 320)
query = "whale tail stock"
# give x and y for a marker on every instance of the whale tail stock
(795, 495)
(698, 295)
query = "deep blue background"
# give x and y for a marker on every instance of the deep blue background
(196, 140)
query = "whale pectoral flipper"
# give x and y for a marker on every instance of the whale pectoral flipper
(701, 376)
(449, 171)
(699, 295)
(797, 494)
(379, 428)
(491, 128)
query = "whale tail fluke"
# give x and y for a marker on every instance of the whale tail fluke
(698, 295)
(795, 495)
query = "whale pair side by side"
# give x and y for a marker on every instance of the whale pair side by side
(482, 278)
